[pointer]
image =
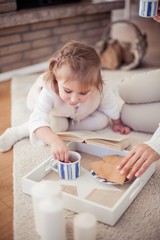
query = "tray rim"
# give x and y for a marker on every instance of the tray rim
(126, 199)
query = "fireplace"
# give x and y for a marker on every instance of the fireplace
(27, 4)
(30, 36)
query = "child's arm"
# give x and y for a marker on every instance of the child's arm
(39, 126)
(110, 106)
(59, 149)
(118, 126)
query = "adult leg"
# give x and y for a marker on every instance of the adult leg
(141, 117)
(141, 97)
(12, 135)
(141, 88)
(93, 122)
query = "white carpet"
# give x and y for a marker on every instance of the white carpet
(140, 221)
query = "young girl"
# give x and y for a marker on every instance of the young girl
(71, 95)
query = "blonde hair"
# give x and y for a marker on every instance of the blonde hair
(83, 62)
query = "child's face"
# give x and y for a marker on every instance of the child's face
(71, 93)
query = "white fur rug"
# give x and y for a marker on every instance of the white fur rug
(140, 221)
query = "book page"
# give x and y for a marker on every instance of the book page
(107, 135)
(75, 135)
(82, 135)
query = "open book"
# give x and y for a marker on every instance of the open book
(104, 139)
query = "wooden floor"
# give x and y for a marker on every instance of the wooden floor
(152, 59)
(6, 167)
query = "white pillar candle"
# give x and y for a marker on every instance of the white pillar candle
(84, 226)
(51, 218)
(42, 190)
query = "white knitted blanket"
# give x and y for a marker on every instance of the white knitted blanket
(140, 221)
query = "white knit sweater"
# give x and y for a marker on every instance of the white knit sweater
(154, 142)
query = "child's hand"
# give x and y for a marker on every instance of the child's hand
(59, 150)
(119, 127)
(138, 160)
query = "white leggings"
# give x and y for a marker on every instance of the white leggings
(93, 122)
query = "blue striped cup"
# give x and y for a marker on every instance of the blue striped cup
(69, 170)
(148, 8)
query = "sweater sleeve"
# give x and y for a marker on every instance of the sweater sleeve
(40, 115)
(109, 104)
(154, 142)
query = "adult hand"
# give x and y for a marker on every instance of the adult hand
(138, 160)
(157, 18)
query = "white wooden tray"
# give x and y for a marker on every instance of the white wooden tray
(107, 202)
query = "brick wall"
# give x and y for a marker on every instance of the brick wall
(34, 43)
(7, 6)
(31, 37)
